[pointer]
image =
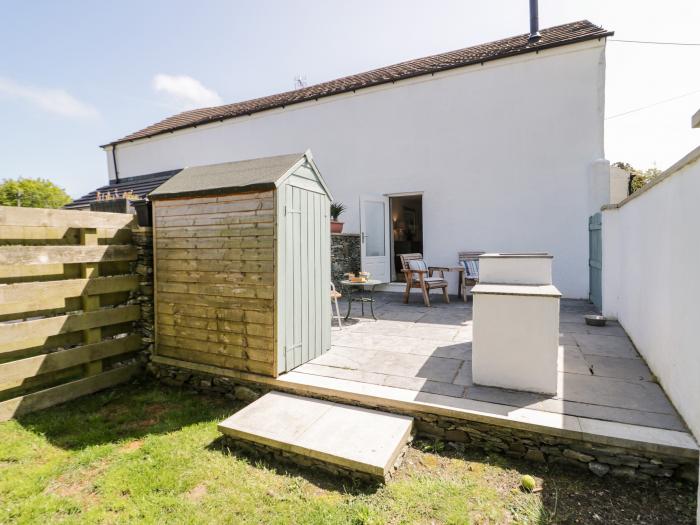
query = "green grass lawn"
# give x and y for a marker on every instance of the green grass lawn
(145, 453)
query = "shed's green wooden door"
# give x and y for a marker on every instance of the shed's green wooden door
(595, 260)
(304, 287)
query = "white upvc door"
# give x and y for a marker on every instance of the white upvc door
(375, 236)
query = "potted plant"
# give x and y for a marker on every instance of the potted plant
(114, 201)
(336, 209)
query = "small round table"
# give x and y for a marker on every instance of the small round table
(355, 294)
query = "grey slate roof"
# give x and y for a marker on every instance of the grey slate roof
(141, 186)
(228, 177)
(551, 37)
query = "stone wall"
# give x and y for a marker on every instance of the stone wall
(461, 434)
(345, 255)
(599, 459)
(143, 240)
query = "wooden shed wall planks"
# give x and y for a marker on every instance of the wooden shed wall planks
(215, 280)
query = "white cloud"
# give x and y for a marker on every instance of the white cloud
(187, 92)
(52, 100)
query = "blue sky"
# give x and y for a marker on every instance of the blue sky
(74, 75)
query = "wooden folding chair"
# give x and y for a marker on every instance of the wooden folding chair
(419, 275)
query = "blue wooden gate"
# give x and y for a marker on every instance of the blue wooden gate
(595, 260)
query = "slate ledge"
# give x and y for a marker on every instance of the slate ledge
(545, 290)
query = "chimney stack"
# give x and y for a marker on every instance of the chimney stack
(534, 23)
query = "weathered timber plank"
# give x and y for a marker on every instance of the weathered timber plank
(251, 291)
(60, 341)
(50, 295)
(216, 277)
(211, 323)
(18, 255)
(20, 387)
(232, 197)
(237, 345)
(233, 207)
(187, 354)
(215, 243)
(244, 340)
(29, 334)
(213, 300)
(217, 219)
(215, 266)
(62, 393)
(35, 235)
(208, 312)
(14, 216)
(34, 272)
(234, 230)
(200, 254)
(205, 323)
(42, 364)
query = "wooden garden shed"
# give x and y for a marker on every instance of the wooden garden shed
(242, 265)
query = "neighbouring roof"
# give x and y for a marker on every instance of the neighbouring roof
(228, 177)
(517, 45)
(141, 186)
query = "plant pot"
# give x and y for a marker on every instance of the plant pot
(336, 227)
(143, 212)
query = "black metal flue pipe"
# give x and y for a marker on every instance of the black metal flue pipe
(534, 23)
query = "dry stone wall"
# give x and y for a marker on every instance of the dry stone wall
(461, 434)
(345, 255)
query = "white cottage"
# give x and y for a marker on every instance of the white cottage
(496, 147)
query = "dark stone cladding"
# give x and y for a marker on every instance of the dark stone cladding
(142, 238)
(345, 255)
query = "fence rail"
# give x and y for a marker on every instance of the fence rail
(66, 325)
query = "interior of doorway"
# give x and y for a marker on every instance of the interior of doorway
(406, 230)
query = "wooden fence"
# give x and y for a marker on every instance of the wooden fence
(66, 328)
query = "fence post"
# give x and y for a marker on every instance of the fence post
(88, 237)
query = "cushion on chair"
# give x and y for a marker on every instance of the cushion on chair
(417, 265)
(471, 269)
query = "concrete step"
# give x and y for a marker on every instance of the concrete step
(342, 439)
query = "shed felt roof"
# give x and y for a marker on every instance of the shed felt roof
(516, 45)
(228, 177)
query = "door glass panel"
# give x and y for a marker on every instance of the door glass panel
(375, 231)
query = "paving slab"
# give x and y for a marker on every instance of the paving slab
(571, 360)
(418, 384)
(619, 367)
(464, 375)
(608, 345)
(361, 376)
(405, 355)
(637, 395)
(354, 438)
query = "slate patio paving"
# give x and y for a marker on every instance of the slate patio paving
(427, 351)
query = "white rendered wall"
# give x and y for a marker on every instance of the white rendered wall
(503, 152)
(651, 280)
